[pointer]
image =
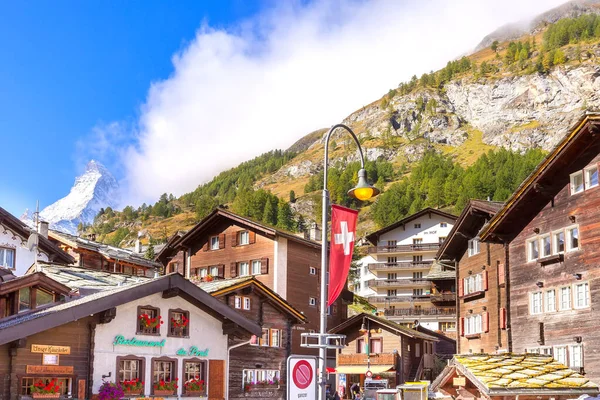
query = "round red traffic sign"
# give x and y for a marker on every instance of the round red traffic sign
(302, 374)
(368, 374)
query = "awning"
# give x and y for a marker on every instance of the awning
(362, 369)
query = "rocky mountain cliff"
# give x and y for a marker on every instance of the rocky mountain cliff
(96, 188)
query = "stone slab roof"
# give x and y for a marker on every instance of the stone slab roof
(87, 278)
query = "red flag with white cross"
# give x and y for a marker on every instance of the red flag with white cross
(341, 246)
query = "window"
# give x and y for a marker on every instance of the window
(42, 297)
(565, 298)
(442, 239)
(473, 324)
(203, 272)
(246, 303)
(179, 323)
(559, 242)
(572, 238)
(252, 376)
(312, 270)
(164, 369)
(546, 245)
(417, 275)
(214, 243)
(591, 177)
(473, 247)
(376, 346)
(63, 383)
(214, 271)
(443, 224)
(361, 346)
(577, 182)
(392, 275)
(256, 267)
(264, 340)
(24, 299)
(237, 301)
(473, 284)
(576, 356)
(244, 238)
(275, 338)
(533, 249)
(582, 295)
(417, 241)
(448, 326)
(312, 301)
(392, 243)
(417, 292)
(129, 368)
(194, 369)
(550, 300)
(391, 292)
(148, 321)
(7, 258)
(560, 354)
(243, 269)
(417, 259)
(417, 226)
(536, 303)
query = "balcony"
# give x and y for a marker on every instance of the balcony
(361, 359)
(403, 248)
(398, 283)
(422, 298)
(408, 312)
(400, 265)
(443, 297)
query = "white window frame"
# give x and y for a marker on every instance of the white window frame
(575, 295)
(533, 309)
(568, 237)
(214, 244)
(251, 376)
(244, 238)
(572, 182)
(473, 324)
(541, 251)
(561, 307)
(443, 224)
(214, 271)
(529, 242)
(576, 361)
(474, 247)
(586, 177)
(203, 272)
(256, 270)
(237, 302)
(243, 265)
(312, 270)
(5, 252)
(566, 354)
(312, 301)
(550, 302)
(246, 303)
(555, 241)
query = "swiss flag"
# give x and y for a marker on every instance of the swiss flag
(343, 234)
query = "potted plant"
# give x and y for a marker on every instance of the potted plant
(150, 323)
(133, 387)
(195, 387)
(179, 325)
(165, 388)
(110, 391)
(41, 390)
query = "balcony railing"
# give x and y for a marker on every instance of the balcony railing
(440, 298)
(361, 359)
(404, 248)
(401, 312)
(421, 298)
(398, 282)
(400, 265)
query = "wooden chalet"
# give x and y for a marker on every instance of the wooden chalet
(225, 245)
(258, 370)
(94, 255)
(481, 281)
(103, 337)
(551, 227)
(510, 377)
(387, 349)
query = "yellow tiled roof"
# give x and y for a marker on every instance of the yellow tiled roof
(522, 371)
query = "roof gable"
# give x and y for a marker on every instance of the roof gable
(389, 325)
(35, 279)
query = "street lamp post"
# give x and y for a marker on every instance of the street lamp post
(362, 191)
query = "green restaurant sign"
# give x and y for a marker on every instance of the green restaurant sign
(193, 351)
(120, 340)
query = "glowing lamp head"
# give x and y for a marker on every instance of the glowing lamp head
(362, 190)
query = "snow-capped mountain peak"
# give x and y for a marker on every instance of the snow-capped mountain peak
(96, 188)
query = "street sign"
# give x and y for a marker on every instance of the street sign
(368, 374)
(302, 384)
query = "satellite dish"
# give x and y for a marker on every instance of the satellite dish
(32, 242)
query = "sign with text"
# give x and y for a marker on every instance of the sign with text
(302, 381)
(49, 369)
(49, 349)
(120, 340)
(193, 351)
(460, 381)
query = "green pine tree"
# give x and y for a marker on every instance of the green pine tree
(284, 216)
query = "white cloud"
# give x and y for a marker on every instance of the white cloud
(263, 84)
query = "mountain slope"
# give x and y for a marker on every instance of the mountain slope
(96, 188)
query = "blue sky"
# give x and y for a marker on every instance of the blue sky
(168, 93)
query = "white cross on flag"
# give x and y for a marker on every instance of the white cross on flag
(343, 233)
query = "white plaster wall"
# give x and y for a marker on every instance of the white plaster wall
(365, 275)
(205, 332)
(23, 257)
(280, 275)
(430, 231)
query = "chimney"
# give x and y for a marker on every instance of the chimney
(138, 245)
(314, 233)
(43, 229)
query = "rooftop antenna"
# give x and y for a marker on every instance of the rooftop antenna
(32, 241)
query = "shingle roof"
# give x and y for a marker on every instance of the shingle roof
(439, 272)
(501, 372)
(87, 278)
(220, 284)
(387, 323)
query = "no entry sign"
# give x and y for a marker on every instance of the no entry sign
(302, 382)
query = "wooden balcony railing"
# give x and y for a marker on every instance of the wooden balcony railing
(443, 297)
(399, 282)
(422, 298)
(404, 248)
(400, 265)
(401, 312)
(361, 359)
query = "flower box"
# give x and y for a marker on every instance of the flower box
(135, 392)
(195, 393)
(45, 395)
(163, 392)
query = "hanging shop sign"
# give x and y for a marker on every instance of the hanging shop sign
(49, 369)
(193, 351)
(50, 359)
(49, 349)
(120, 340)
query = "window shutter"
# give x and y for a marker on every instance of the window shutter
(501, 274)
(233, 270)
(503, 318)
(251, 237)
(485, 321)
(484, 280)
(264, 265)
(205, 247)
(221, 269)
(462, 326)
(222, 241)
(234, 239)
(461, 287)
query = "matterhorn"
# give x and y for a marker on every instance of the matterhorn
(93, 190)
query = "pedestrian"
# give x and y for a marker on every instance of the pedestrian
(355, 390)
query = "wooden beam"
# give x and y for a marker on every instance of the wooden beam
(107, 316)
(230, 327)
(19, 343)
(169, 293)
